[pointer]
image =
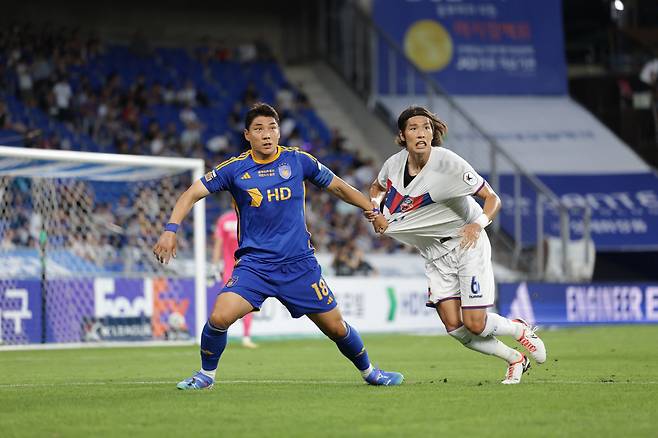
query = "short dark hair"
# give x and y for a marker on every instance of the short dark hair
(260, 109)
(439, 127)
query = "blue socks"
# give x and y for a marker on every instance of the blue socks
(352, 348)
(213, 342)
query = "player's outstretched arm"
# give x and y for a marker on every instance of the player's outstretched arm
(166, 246)
(491, 207)
(349, 194)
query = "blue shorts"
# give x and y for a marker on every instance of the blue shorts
(297, 285)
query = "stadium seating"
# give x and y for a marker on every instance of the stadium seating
(122, 99)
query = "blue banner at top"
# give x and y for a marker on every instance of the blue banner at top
(481, 47)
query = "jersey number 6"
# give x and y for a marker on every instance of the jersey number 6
(475, 286)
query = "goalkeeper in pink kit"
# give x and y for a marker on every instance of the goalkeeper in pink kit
(226, 243)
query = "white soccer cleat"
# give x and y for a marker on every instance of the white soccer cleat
(531, 342)
(515, 371)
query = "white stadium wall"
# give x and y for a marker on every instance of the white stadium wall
(372, 305)
(545, 135)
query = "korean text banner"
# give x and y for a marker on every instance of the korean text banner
(477, 46)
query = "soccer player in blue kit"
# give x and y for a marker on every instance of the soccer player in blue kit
(275, 257)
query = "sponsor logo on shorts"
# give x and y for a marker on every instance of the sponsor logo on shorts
(232, 281)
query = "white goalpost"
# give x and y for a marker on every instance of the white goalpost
(76, 231)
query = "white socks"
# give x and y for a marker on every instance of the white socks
(210, 374)
(462, 335)
(487, 345)
(494, 347)
(365, 373)
(497, 325)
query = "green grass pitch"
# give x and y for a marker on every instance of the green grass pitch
(596, 382)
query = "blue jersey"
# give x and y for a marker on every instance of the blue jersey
(269, 199)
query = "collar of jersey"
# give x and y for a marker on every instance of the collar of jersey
(278, 152)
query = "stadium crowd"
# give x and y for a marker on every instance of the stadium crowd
(62, 90)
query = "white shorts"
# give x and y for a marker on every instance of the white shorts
(463, 274)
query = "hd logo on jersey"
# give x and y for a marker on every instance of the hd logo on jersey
(285, 171)
(256, 197)
(278, 194)
(275, 194)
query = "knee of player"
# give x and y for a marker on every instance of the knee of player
(336, 330)
(221, 320)
(452, 323)
(475, 324)
(451, 319)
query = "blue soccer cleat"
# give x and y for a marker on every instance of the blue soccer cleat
(385, 378)
(197, 381)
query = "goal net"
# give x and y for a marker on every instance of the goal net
(76, 232)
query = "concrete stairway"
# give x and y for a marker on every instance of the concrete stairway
(340, 108)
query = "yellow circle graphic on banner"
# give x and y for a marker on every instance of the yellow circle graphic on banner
(428, 45)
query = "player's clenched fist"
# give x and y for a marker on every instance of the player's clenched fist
(380, 224)
(166, 247)
(370, 215)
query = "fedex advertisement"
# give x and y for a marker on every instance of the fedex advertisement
(99, 309)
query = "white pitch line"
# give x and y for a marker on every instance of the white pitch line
(91, 345)
(158, 382)
(292, 382)
(590, 382)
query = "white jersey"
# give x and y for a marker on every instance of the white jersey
(435, 205)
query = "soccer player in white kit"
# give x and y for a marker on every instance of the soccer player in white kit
(427, 193)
